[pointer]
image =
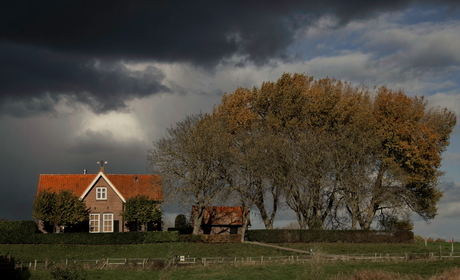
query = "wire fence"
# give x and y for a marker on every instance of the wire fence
(194, 261)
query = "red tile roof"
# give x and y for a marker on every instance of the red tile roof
(222, 215)
(128, 185)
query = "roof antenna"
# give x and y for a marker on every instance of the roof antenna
(101, 163)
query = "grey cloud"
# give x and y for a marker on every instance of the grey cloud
(33, 80)
(195, 31)
(451, 191)
(73, 50)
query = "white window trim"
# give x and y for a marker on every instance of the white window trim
(98, 221)
(104, 219)
(101, 193)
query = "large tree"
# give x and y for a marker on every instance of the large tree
(341, 156)
(254, 160)
(409, 139)
(340, 150)
(60, 209)
(190, 159)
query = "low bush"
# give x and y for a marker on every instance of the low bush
(182, 230)
(207, 238)
(346, 236)
(161, 236)
(15, 231)
(72, 272)
(84, 238)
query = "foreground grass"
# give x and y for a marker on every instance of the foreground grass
(29, 252)
(339, 270)
(313, 270)
(347, 248)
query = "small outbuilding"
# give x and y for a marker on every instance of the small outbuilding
(221, 219)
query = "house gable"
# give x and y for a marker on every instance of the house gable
(101, 176)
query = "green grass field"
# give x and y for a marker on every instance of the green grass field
(26, 253)
(311, 270)
(346, 248)
(418, 269)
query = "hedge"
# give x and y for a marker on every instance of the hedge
(182, 230)
(346, 236)
(211, 238)
(25, 232)
(16, 231)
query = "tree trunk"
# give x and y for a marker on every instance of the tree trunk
(57, 228)
(245, 222)
(197, 219)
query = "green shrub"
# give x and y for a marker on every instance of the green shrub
(207, 238)
(72, 272)
(182, 230)
(346, 236)
(12, 232)
(161, 236)
(85, 238)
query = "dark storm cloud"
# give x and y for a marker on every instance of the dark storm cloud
(34, 79)
(51, 50)
(197, 31)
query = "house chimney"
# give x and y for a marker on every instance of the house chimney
(101, 163)
(84, 171)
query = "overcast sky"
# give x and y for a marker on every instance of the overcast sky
(82, 81)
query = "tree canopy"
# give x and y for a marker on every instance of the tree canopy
(339, 156)
(140, 209)
(190, 159)
(62, 208)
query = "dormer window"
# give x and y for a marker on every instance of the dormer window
(101, 193)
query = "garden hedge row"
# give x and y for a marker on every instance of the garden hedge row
(346, 236)
(182, 230)
(208, 238)
(25, 232)
(15, 231)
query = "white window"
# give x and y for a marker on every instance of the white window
(108, 222)
(94, 223)
(101, 193)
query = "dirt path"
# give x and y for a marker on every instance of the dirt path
(288, 249)
(277, 247)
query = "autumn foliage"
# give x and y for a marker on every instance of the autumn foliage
(344, 154)
(339, 156)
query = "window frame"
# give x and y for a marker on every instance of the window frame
(101, 193)
(96, 221)
(104, 220)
